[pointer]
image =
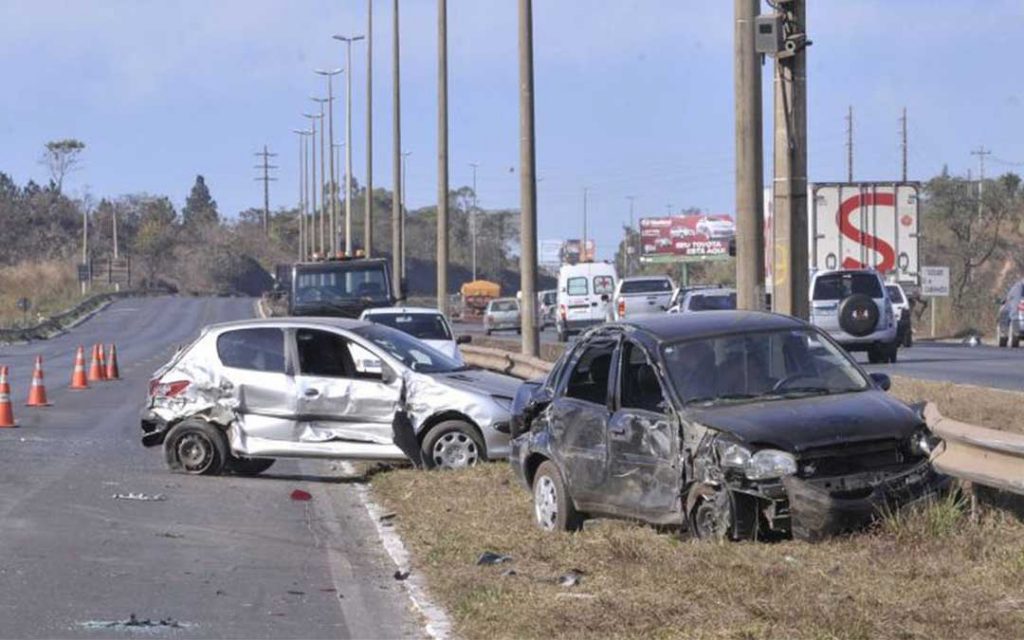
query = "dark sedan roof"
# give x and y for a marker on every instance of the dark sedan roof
(671, 327)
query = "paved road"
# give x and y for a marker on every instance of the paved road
(227, 557)
(983, 365)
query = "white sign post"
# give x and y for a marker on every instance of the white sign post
(934, 284)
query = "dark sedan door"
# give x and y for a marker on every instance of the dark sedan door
(644, 478)
(578, 419)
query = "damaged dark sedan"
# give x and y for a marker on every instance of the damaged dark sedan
(735, 424)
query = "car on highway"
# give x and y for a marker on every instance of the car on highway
(428, 325)
(547, 307)
(584, 297)
(1010, 319)
(736, 424)
(503, 315)
(901, 309)
(713, 299)
(853, 307)
(642, 295)
(247, 392)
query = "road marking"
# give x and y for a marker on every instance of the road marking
(437, 624)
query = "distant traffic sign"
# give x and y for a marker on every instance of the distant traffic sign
(935, 282)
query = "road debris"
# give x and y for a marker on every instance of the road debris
(301, 496)
(142, 497)
(387, 518)
(401, 575)
(170, 534)
(490, 557)
(134, 621)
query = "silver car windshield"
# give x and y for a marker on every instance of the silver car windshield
(413, 353)
(759, 366)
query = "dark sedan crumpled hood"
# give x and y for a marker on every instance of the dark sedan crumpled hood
(820, 421)
(488, 382)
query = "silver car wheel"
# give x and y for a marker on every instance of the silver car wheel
(195, 451)
(455, 450)
(545, 502)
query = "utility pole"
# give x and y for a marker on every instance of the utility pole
(442, 156)
(368, 202)
(629, 237)
(981, 152)
(325, 244)
(903, 143)
(849, 144)
(583, 242)
(312, 183)
(332, 189)
(397, 217)
(348, 138)
(302, 190)
(85, 249)
(472, 218)
(749, 159)
(266, 180)
(405, 210)
(527, 183)
(790, 272)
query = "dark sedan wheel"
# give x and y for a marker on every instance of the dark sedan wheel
(452, 444)
(552, 508)
(196, 447)
(711, 519)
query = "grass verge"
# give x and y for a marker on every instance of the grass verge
(922, 574)
(50, 286)
(993, 408)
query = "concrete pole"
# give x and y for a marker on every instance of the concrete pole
(332, 183)
(397, 235)
(302, 186)
(583, 245)
(442, 156)
(405, 210)
(629, 238)
(368, 203)
(527, 183)
(312, 184)
(473, 220)
(790, 268)
(749, 161)
(325, 246)
(348, 138)
(903, 144)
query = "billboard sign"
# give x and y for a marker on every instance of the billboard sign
(573, 253)
(686, 238)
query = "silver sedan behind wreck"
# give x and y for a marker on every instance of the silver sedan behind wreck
(247, 392)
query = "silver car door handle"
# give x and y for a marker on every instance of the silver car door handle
(311, 393)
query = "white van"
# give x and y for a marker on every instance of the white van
(584, 296)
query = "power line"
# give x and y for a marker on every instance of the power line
(266, 179)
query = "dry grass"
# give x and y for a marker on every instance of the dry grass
(51, 286)
(929, 574)
(983, 406)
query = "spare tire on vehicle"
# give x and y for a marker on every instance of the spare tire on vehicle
(858, 315)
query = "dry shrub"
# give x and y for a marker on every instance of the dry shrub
(50, 285)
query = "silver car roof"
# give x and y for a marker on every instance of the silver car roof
(296, 322)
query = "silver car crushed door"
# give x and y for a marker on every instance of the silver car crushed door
(342, 395)
(255, 371)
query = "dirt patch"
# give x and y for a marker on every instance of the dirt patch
(993, 408)
(932, 574)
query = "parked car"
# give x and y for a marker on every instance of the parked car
(429, 325)
(584, 296)
(548, 307)
(681, 292)
(245, 393)
(706, 300)
(502, 315)
(642, 295)
(735, 424)
(901, 309)
(853, 307)
(1010, 323)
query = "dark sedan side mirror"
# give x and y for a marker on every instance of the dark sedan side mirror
(463, 339)
(882, 381)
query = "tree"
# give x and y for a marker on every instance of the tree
(200, 208)
(61, 157)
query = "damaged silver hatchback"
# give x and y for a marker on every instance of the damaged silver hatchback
(247, 392)
(734, 424)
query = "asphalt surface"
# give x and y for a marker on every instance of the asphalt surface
(985, 366)
(222, 557)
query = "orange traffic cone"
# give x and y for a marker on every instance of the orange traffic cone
(113, 373)
(78, 379)
(103, 360)
(37, 392)
(6, 411)
(95, 370)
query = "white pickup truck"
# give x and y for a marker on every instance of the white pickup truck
(643, 296)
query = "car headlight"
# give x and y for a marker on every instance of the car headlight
(733, 456)
(923, 442)
(503, 401)
(770, 463)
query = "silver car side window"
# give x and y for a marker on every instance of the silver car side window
(257, 349)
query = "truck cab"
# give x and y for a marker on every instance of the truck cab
(341, 287)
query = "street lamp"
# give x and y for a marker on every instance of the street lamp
(348, 137)
(333, 188)
(325, 244)
(302, 133)
(313, 117)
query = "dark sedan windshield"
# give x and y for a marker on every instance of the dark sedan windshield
(759, 366)
(413, 353)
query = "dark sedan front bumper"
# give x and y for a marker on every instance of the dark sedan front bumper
(817, 512)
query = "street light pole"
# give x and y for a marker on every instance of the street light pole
(312, 182)
(348, 138)
(325, 245)
(629, 237)
(302, 190)
(332, 188)
(472, 218)
(749, 159)
(442, 156)
(397, 212)
(527, 183)
(405, 210)
(368, 202)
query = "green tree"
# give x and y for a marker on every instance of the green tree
(200, 207)
(61, 157)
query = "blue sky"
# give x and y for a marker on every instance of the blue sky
(633, 97)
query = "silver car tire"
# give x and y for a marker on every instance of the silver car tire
(196, 447)
(553, 509)
(452, 444)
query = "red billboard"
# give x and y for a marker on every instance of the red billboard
(687, 237)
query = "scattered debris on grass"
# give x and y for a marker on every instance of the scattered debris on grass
(141, 497)
(571, 578)
(490, 557)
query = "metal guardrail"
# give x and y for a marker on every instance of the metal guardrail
(65, 320)
(981, 455)
(513, 364)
